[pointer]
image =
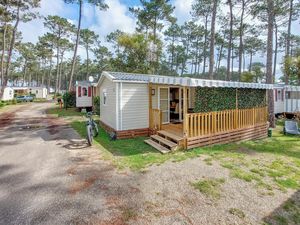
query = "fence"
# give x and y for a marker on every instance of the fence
(200, 124)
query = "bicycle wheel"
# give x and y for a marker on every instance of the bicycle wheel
(89, 135)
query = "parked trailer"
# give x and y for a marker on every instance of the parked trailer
(8, 94)
(84, 96)
(286, 100)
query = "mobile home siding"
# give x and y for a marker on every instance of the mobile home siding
(108, 111)
(134, 106)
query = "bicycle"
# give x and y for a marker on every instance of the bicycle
(91, 128)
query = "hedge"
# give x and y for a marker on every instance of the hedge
(218, 99)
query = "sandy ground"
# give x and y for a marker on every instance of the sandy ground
(49, 176)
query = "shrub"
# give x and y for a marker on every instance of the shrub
(70, 99)
(96, 101)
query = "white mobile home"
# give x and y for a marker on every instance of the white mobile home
(39, 92)
(163, 107)
(286, 99)
(84, 97)
(8, 94)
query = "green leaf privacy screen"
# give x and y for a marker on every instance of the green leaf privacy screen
(218, 99)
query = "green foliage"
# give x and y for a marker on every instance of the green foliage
(96, 101)
(237, 212)
(250, 98)
(70, 99)
(218, 99)
(210, 187)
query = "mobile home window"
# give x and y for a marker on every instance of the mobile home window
(104, 97)
(84, 91)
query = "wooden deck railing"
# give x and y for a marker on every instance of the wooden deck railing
(200, 124)
(155, 119)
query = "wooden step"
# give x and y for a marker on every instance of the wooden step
(167, 143)
(157, 146)
(169, 135)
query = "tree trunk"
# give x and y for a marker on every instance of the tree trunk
(3, 52)
(276, 48)
(87, 62)
(250, 64)
(76, 46)
(57, 67)
(288, 38)
(241, 47)
(11, 48)
(205, 48)
(269, 73)
(49, 75)
(229, 41)
(212, 41)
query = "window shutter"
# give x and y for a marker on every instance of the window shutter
(89, 91)
(282, 95)
(79, 91)
(275, 95)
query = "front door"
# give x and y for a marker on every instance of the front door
(164, 104)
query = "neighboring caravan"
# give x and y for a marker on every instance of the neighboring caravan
(286, 100)
(39, 92)
(8, 94)
(84, 96)
(180, 112)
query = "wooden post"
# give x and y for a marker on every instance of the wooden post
(150, 107)
(236, 108)
(185, 118)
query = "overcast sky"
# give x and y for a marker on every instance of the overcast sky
(104, 22)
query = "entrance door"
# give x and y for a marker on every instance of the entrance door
(164, 103)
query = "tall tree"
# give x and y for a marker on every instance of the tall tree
(212, 39)
(20, 10)
(102, 6)
(150, 18)
(229, 2)
(269, 74)
(88, 39)
(60, 29)
(201, 9)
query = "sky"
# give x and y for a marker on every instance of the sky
(103, 22)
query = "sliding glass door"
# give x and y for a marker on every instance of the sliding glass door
(164, 104)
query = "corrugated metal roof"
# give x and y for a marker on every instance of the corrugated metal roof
(292, 88)
(183, 81)
(129, 76)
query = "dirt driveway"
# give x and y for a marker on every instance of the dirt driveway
(49, 176)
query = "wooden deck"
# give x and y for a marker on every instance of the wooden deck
(176, 129)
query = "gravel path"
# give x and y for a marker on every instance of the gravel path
(49, 176)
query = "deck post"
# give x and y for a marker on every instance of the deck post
(185, 122)
(150, 106)
(236, 108)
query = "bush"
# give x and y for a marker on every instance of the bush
(70, 99)
(96, 101)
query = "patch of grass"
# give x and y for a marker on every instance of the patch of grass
(128, 213)
(63, 112)
(135, 154)
(208, 161)
(210, 187)
(287, 183)
(280, 220)
(244, 175)
(258, 171)
(237, 212)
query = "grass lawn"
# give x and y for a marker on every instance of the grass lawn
(135, 154)
(70, 112)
